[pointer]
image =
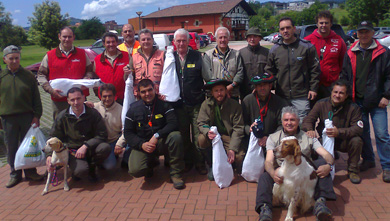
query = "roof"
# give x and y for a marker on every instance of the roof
(216, 7)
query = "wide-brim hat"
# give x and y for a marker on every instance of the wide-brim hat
(253, 31)
(263, 78)
(365, 25)
(214, 82)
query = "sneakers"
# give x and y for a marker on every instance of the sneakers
(386, 176)
(13, 182)
(365, 165)
(265, 213)
(354, 178)
(178, 183)
(321, 211)
(34, 177)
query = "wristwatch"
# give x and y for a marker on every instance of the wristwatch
(233, 84)
(331, 166)
(156, 135)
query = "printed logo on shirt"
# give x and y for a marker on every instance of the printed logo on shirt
(119, 64)
(76, 60)
(190, 65)
(334, 50)
(158, 116)
(360, 123)
(334, 40)
(299, 58)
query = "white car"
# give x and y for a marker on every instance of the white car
(385, 40)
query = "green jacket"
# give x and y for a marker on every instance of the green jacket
(231, 114)
(19, 93)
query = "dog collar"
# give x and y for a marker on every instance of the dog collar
(62, 149)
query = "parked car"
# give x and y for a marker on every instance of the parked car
(211, 36)
(352, 33)
(206, 39)
(381, 28)
(202, 43)
(303, 31)
(270, 37)
(171, 37)
(385, 40)
(162, 41)
(194, 43)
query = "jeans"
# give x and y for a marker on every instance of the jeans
(110, 162)
(382, 138)
(303, 107)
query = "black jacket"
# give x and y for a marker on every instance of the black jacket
(137, 129)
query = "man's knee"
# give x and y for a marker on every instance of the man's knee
(102, 151)
(80, 171)
(137, 171)
(356, 143)
(203, 141)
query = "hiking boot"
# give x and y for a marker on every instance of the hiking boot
(265, 213)
(178, 183)
(365, 165)
(321, 211)
(75, 178)
(34, 177)
(201, 168)
(354, 178)
(386, 176)
(150, 173)
(13, 182)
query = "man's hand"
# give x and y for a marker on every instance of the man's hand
(231, 155)
(312, 95)
(277, 179)
(383, 103)
(118, 150)
(254, 124)
(211, 135)
(80, 154)
(35, 121)
(311, 133)
(323, 171)
(126, 71)
(332, 132)
(153, 140)
(263, 141)
(148, 147)
(89, 104)
(49, 167)
(56, 93)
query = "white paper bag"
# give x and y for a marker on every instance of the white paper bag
(129, 98)
(30, 154)
(253, 165)
(328, 142)
(169, 85)
(222, 169)
(64, 84)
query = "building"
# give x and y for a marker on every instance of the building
(112, 25)
(203, 17)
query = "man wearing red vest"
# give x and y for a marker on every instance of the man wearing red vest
(65, 61)
(129, 45)
(109, 65)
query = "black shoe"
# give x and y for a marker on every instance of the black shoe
(34, 177)
(149, 174)
(386, 176)
(178, 183)
(13, 182)
(265, 213)
(365, 165)
(321, 211)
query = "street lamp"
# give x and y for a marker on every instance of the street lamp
(139, 18)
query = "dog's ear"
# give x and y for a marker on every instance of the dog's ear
(297, 153)
(61, 144)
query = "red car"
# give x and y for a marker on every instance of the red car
(211, 36)
(194, 43)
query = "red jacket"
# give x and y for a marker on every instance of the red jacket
(332, 59)
(72, 66)
(112, 74)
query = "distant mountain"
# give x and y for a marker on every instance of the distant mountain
(323, 1)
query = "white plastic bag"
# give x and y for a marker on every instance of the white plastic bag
(253, 165)
(30, 154)
(222, 169)
(64, 84)
(328, 142)
(169, 84)
(129, 97)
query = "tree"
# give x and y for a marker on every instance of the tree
(90, 29)
(360, 10)
(46, 23)
(10, 34)
(344, 21)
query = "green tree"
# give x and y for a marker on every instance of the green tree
(344, 21)
(360, 10)
(46, 23)
(10, 34)
(90, 29)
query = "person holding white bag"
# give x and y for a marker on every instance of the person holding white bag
(20, 108)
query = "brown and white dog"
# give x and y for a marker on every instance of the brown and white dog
(299, 178)
(60, 157)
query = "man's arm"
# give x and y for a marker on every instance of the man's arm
(171, 121)
(309, 122)
(324, 170)
(269, 162)
(313, 68)
(37, 104)
(88, 68)
(204, 119)
(245, 112)
(271, 68)
(386, 73)
(239, 77)
(354, 129)
(99, 129)
(207, 73)
(238, 129)
(43, 75)
(342, 53)
(130, 131)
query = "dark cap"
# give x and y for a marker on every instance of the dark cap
(253, 31)
(365, 25)
(209, 85)
(10, 49)
(264, 78)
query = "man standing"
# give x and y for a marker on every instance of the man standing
(109, 65)
(347, 122)
(324, 188)
(331, 49)
(225, 63)
(130, 45)
(264, 106)
(226, 114)
(294, 63)
(254, 58)
(189, 71)
(84, 133)
(65, 61)
(150, 130)
(367, 68)
(20, 107)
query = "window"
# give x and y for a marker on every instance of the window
(196, 23)
(156, 21)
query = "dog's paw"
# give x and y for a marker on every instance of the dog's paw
(43, 192)
(66, 188)
(289, 219)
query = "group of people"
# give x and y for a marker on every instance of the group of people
(313, 78)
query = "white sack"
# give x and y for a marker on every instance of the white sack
(169, 85)
(129, 98)
(30, 154)
(253, 165)
(222, 169)
(328, 142)
(64, 84)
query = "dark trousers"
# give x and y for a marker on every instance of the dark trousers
(354, 148)
(324, 188)
(15, 128)
(94, 156)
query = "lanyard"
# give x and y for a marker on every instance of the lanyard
(264, 109)
(151, 115)
(223, 66)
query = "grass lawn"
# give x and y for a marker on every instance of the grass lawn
(33, 53)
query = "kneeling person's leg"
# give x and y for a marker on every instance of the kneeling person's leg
(138, 163)
(354, 148)
(174, 144)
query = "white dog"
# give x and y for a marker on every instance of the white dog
(60, 157)
(299, 178)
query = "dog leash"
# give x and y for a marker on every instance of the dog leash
(55, 178)
(310, 161)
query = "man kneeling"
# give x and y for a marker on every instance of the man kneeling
(150, 130)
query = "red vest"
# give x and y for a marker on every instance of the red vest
(72, 66)
(112, 74)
